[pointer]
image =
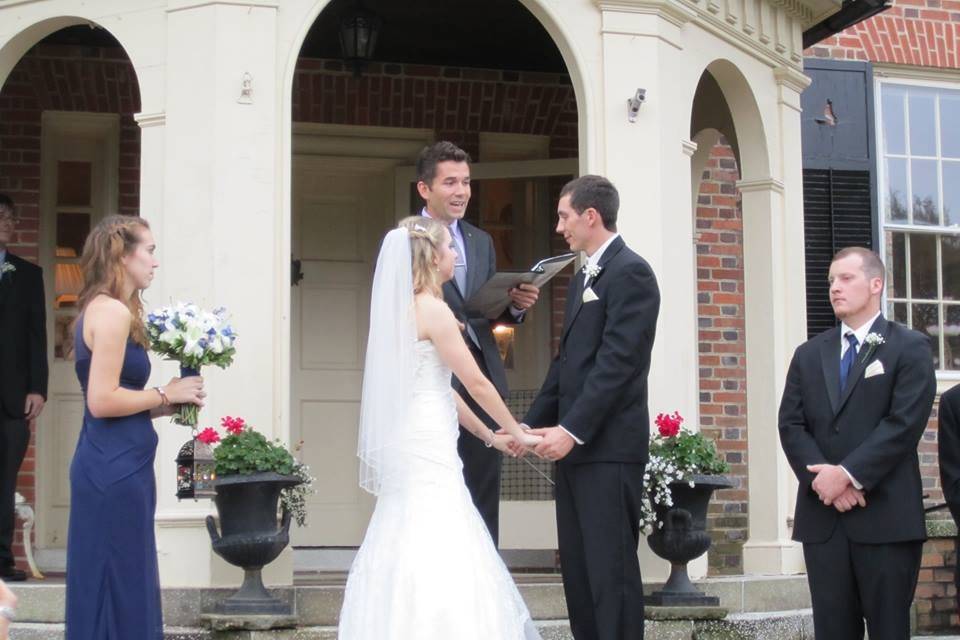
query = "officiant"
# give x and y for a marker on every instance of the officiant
(443, 181)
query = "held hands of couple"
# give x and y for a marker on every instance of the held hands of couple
(834, 487)
(511, 446)
(555, 445)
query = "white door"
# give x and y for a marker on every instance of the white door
(514, 204)
(341, 209)
(79, 187)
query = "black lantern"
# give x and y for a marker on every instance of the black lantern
(359, 29)
(195, 471)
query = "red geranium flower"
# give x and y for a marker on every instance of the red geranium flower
(669, 425)
(233, 425)
(208, 436)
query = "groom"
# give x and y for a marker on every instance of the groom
(592, 410)
(443, 181)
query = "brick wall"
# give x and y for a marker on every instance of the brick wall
(456, 103)
(722, 351)
(912, 32)
(61, 78)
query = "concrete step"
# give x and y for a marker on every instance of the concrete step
(317, 598)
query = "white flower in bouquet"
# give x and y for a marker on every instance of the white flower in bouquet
(193, 337)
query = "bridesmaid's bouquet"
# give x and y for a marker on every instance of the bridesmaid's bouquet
(193, 337)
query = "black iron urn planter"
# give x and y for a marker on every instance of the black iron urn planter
(251, 537)
(682, 538)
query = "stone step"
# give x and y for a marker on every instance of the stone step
(318, 599)
(784, 625)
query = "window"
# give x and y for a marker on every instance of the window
(920, 211)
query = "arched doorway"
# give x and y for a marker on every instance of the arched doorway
(354, 140)
(71, 154)
(729, 173)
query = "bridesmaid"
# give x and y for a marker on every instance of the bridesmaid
(113, 587)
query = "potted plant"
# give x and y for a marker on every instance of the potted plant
(683, 471)
(256, 480)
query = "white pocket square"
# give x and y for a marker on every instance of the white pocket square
(589, 295)
(874, 369)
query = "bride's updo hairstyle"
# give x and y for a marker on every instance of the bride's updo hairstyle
(426, 237)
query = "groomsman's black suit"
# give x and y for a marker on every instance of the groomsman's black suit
(863, 563)
(949, 454)
(481, 464)
(23, 370)
(597, 390)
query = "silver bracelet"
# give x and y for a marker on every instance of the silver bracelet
(489, 443)
(7, 612)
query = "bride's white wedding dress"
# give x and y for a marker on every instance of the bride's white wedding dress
(427, 568)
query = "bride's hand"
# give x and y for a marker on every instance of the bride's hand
(502, 442)
(529, 440)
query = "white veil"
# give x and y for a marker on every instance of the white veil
(389, 369)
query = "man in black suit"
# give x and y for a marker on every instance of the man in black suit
(854, 408)
(23, 372)
(592, 414)
(443, 181)
(948, 447)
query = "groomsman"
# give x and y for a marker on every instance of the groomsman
(23, 373)
(443, 181)
(592, 410)
(949, 455)
(854, 408)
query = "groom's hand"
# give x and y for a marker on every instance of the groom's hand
(556, 443)
(830, 483)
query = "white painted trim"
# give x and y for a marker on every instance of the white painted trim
(761, 184)
(920, 76)
(197, 4)
(146, 120)
(689, 147)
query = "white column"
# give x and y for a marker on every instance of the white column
(775, 325)
(218, 234)
(649, 160)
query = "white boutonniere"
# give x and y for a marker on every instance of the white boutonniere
(7, 267)
(591, 270)
(871, 342)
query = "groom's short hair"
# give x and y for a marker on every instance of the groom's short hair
(594, 192)
(872, 264)
(432, 155)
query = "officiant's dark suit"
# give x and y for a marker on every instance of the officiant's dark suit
(443, 181)
(948, 442)
(23, 370)
(596, 389)
(861, 563)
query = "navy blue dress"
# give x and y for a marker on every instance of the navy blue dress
(113, 586)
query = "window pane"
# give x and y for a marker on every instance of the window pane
(73, 184)
(896, 190)
(894, 138)
(951, 192)
(896, 265)
(950, 257)
(949, 124)
(899, 312)
(923, 180)
(926, 320)
(923, 141)
(951, 331)
(923, 266)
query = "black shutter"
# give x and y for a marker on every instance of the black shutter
(838, 174)
(837, 213)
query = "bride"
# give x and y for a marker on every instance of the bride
(427, 568)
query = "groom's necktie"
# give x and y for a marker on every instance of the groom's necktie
(460, 277)
(846, 362)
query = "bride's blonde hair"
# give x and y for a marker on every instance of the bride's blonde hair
(426, 237)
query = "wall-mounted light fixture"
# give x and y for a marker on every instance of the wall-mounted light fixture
(359, 29)
(633, 104)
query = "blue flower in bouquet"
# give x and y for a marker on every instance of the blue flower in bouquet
(194, 337)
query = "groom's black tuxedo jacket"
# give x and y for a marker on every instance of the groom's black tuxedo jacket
(23, 336)
(872, 429)
(597, 384)
(481, 266)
